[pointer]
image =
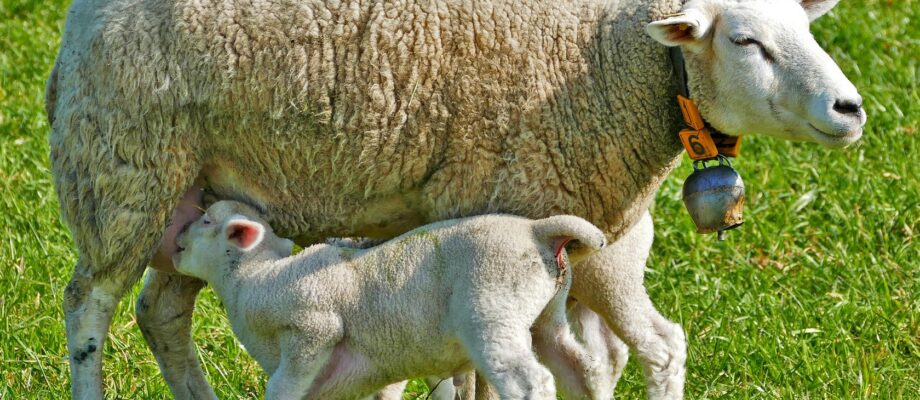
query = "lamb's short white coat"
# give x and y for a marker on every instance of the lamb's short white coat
(340, 323)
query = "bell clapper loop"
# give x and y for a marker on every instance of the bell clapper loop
(723, 161)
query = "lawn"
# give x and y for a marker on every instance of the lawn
(816, 296)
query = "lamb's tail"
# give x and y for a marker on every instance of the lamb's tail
(559, 230)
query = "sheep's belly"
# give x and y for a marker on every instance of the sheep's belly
(313, 209)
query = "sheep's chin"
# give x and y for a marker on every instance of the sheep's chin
(833, 141)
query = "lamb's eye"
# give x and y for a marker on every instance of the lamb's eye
(206, 221)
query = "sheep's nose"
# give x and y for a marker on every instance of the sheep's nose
(848, 106)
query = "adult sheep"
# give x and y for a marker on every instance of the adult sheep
(347, 118)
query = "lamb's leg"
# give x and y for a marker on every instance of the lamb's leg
(503, 354)
(465, 385)
(577, 373)
(392, 391)
(599, 340)
(610, 283)
(303, 356)
(164, 315)
(441, 389)
(484, 391)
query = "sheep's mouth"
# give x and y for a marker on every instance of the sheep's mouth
(835, 140)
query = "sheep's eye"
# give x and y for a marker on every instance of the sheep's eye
(746, 41)
(206, 221)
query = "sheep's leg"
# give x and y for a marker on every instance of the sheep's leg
(164, 315)
(116, 193)
(598, 340)
(115, 245)
(611, 283)
(89, 303)
(506, 359)
(577, 373)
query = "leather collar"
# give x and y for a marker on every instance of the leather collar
(702, 141)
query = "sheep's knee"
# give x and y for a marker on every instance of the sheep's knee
(664, 362)
(89, 303)
(659, 344)
(661, 350)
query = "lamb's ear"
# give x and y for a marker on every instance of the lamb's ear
(817, 8)
(244, 234)
(685, 28)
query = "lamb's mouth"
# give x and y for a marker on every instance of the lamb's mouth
(179, 248)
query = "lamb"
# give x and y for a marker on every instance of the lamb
(348, 118)
(341, 323)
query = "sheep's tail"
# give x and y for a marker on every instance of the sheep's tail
(559, 230)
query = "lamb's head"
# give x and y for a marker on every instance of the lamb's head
(754, 67)
(226, 235)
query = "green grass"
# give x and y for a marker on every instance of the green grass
(817, 296)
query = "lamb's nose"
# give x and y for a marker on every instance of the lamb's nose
(848, 106)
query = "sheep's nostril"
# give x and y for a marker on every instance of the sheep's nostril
(848, 106)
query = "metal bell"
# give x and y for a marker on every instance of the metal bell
(714, 196)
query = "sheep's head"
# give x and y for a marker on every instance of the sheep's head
(223, 237)
(754, 67)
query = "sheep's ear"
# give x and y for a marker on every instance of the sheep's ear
(817, 8)
(244, 234)
(685, 28)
